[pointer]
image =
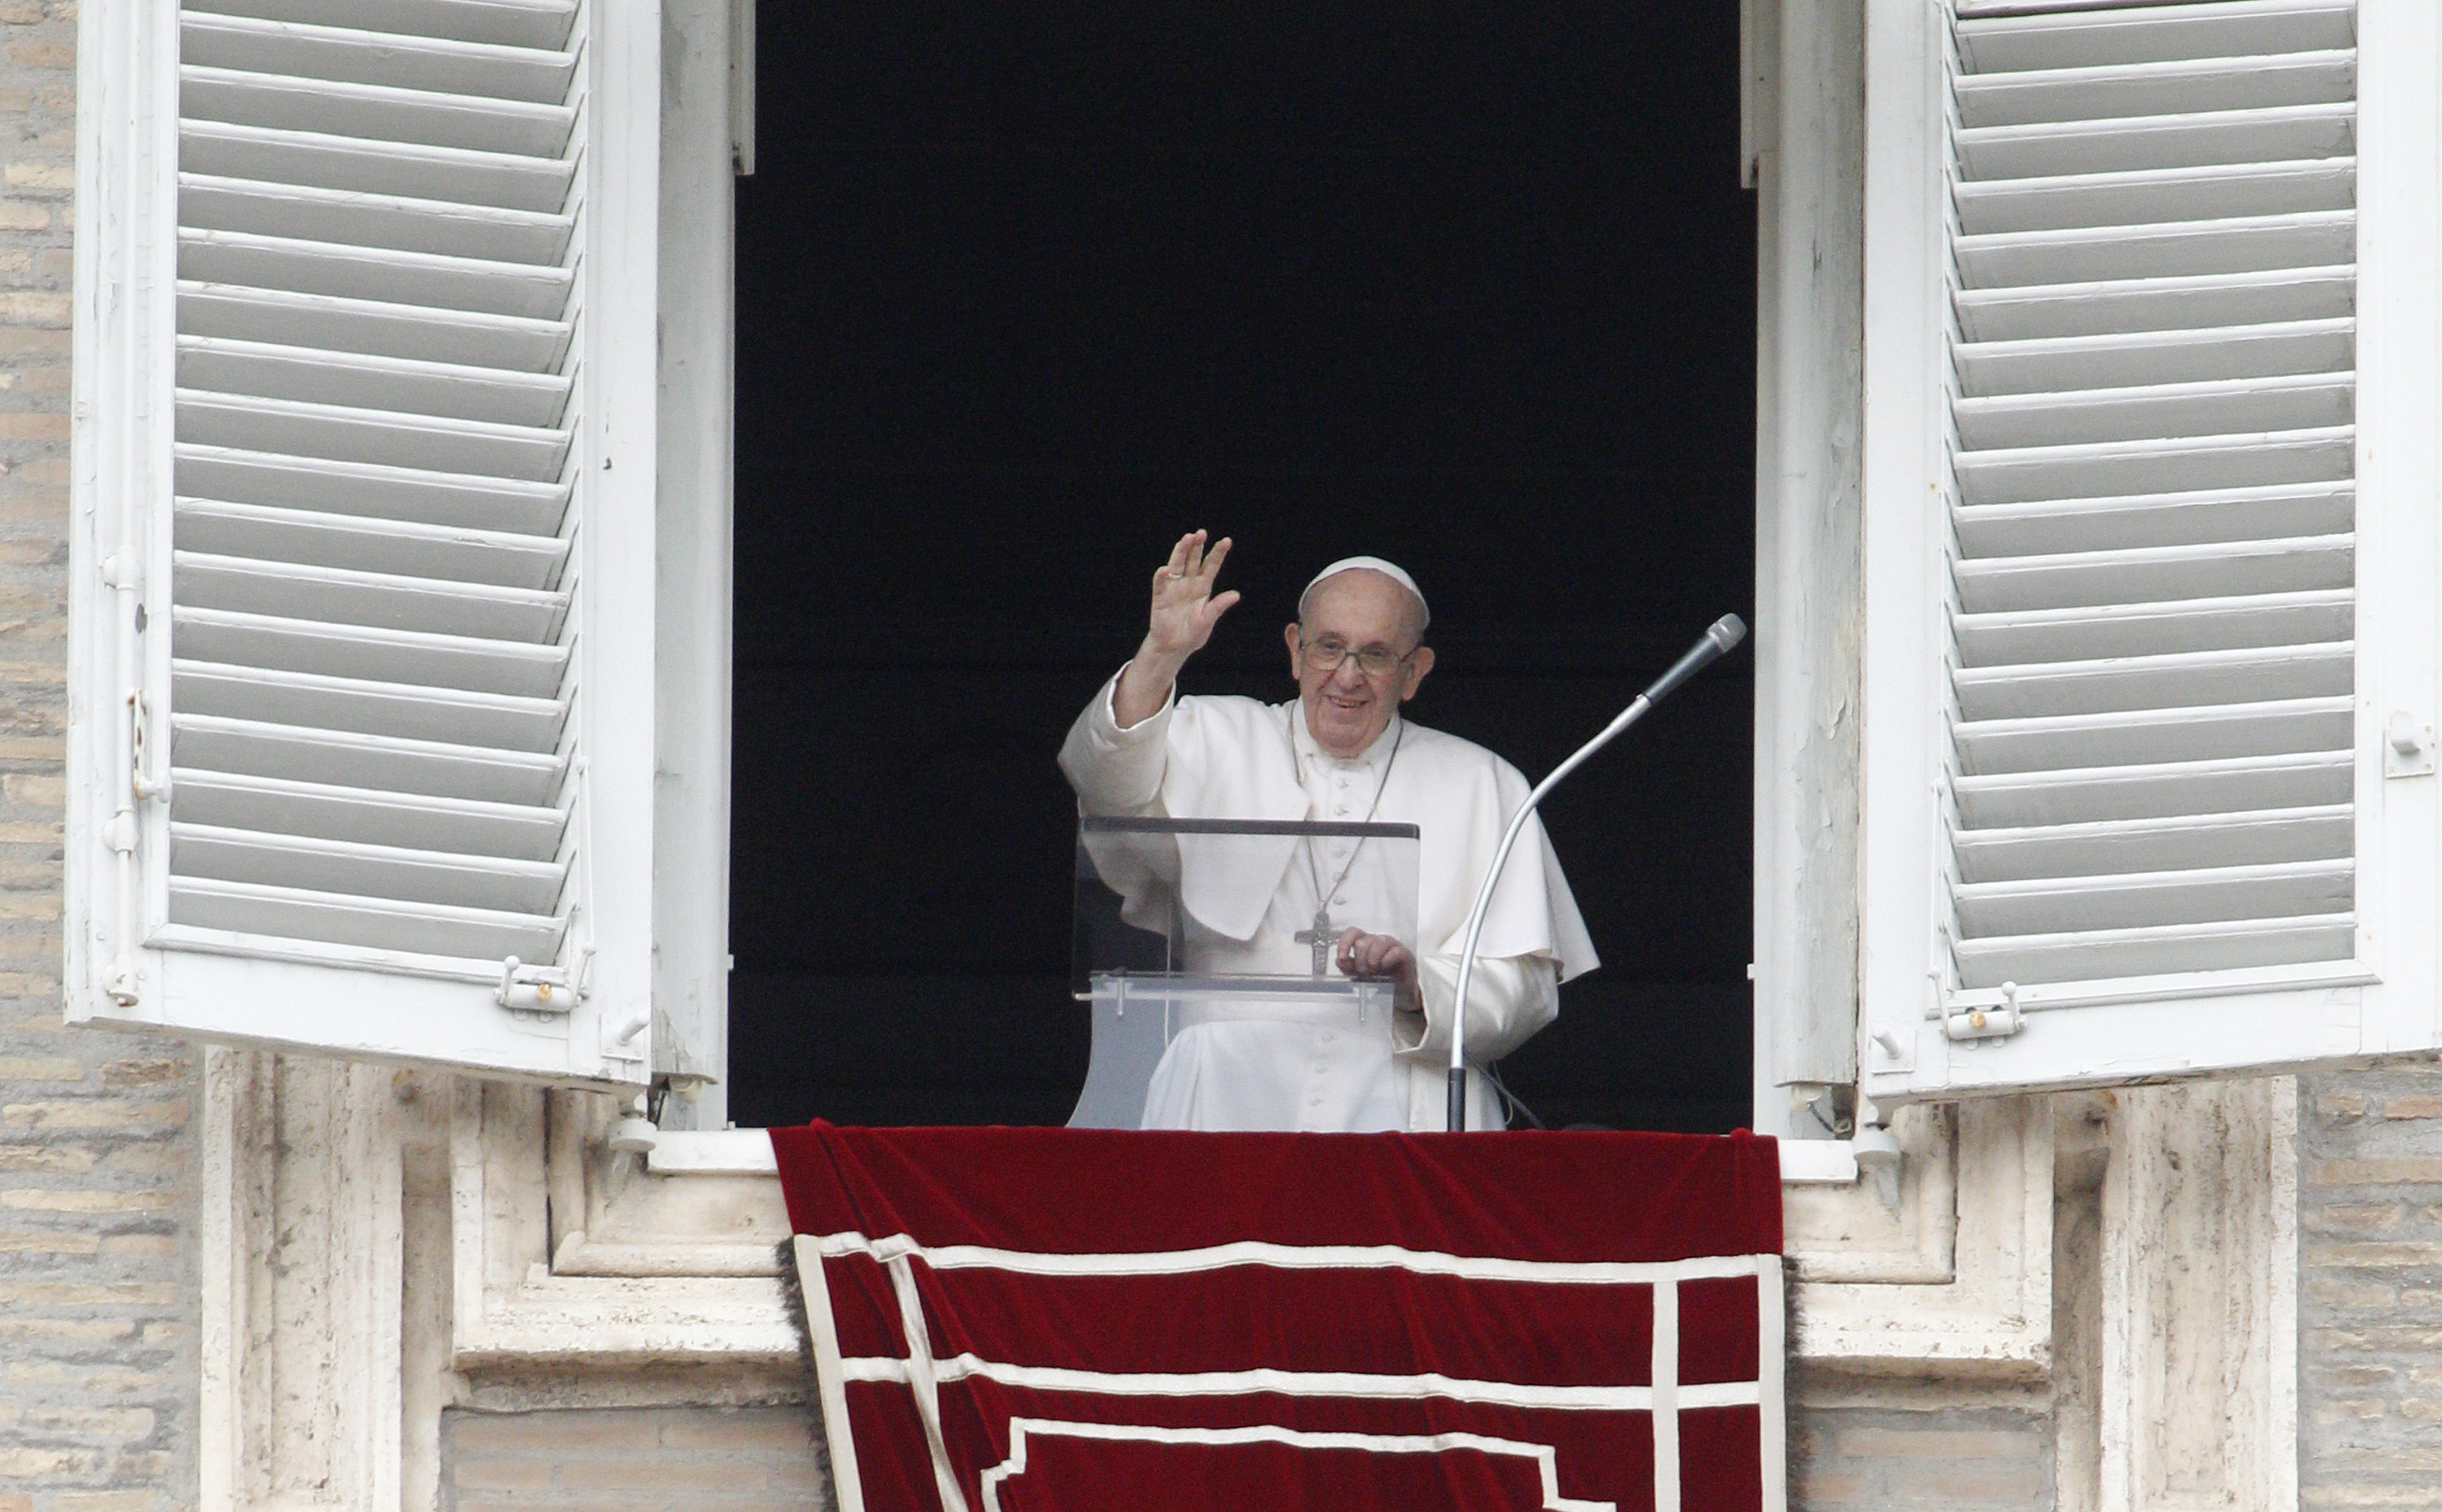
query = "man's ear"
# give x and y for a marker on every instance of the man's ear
(1289, 638)
(1419, 663)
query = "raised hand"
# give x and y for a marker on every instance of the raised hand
(1185, 609)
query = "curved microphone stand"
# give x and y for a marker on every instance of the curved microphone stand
(1727, 632)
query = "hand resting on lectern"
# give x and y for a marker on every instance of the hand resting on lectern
(1382, 956)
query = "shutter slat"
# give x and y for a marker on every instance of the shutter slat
(368, 707)
(2156, 789)
(543, 24)
(2322, 833)
(498, 342)
(2156, 950)
(354, 55)
(2022, 474)
(2106, 683)
(2221, 408)
(374, 112)
(2197, 895)
(2205, 732)
(348, 868)
(2157, 249)
(386, 656)
(457, 284)
(2108, 305)
(343, 433)
(2135, 358)
(411, 494)
(2147, 630)
(408, 170)
(398, 385)
(2217, 192)
(310, 538)
(2151, 34)
(2157, 574)
(393, 600)
(368, 815)
(304, 213)
(2118, 90)
(343, 758)
(2156, 519)
(2281, 134)
(367, 924)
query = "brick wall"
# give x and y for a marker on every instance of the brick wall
(97, 1170)
(2370, 1290)
(634, 1460)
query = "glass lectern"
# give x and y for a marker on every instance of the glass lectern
(1187, 921)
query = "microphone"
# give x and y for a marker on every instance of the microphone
(1725, 633)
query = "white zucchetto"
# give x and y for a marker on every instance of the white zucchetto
(1391, 571)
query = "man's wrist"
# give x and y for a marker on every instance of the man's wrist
(1144, 687)
(1158, 663)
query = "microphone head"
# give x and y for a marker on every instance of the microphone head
(1727, 632)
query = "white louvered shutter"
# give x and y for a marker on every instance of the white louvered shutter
(393, 548)
(2125, 498)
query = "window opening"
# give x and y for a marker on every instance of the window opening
(1021, 297)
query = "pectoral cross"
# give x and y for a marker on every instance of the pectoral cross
(1320, 936)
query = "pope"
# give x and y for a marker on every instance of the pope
(1341, 751)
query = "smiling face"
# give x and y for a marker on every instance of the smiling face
(1363, 610)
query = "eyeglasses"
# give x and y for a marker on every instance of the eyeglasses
(1324, 654)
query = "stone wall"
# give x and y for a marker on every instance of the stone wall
(98, 1376)
(634, 1460)
(1863, 1458)
(2370, 1290)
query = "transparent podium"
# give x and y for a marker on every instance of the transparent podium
(1181, 923)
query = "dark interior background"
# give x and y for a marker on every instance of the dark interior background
(1027, 289)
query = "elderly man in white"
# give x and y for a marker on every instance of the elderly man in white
(1339, 752)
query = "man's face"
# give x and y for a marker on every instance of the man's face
(1363, 610)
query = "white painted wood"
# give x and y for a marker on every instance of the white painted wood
(398, 660)
(691, 795)
(1903, 687)
(1808, 621)
(2184, 500)
(2399, 472)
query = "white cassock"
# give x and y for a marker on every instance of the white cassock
(1238, 758)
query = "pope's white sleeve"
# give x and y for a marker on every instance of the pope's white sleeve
(1116, 771)
(1508, 999)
